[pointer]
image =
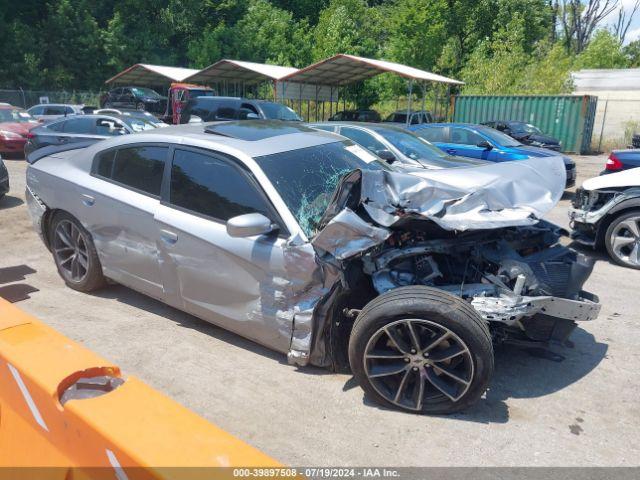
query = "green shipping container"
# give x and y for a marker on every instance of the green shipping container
(569, 118)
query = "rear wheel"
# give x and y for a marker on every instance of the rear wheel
(622, 240)
(421, 349)
(74, 254)
(140, 106)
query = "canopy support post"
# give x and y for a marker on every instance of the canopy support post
(410, 98)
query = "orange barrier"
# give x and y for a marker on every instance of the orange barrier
(129, 431)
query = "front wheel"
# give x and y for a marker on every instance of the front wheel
(422, 350)
(622, 240)
(140, 106)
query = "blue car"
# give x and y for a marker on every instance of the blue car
(484, 143)
(622, 160)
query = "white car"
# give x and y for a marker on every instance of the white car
(606, 213)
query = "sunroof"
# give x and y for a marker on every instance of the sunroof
(256, 130)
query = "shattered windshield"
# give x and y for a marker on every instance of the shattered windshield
(306, 178)
(525, 128)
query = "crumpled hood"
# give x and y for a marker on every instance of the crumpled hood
(490, 196)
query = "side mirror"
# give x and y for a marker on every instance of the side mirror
(386, 155)
(249, 225)
(252, 116)
(484, 144)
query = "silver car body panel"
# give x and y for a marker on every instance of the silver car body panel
(275, 291)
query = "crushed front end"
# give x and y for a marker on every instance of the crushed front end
(521, 280)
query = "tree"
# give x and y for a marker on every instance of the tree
(269, 34)
(580, 18)
(496, 65)
(624, 20)
(632, 52)
(603, 51)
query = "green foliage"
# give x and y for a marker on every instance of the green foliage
(495, 46)
(604, 51)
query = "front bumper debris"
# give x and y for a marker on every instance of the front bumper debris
(511, 309)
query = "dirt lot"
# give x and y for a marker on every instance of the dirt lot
(581, 411)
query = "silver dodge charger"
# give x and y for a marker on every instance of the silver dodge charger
(312, 246)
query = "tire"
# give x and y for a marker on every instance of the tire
(69, 239)
(450, 334)
(622, 240)
(140, 106)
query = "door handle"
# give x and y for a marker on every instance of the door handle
(88, 200)
(451, 151)
(169, 237)
(64, 139)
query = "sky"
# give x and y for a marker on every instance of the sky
(634, 29)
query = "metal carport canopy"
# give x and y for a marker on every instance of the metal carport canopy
(343, 69)
(236, 71)
(146, 74)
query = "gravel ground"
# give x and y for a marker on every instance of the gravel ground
(582, 411)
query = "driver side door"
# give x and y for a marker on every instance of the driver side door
(239, 284)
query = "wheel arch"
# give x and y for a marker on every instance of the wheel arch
(616, 212)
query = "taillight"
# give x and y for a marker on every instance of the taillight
(613, 163)
(31, 135)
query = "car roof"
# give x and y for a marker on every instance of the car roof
(9, 107)
(252, 137)
(370, 125)
(74, 105)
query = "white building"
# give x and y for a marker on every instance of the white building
(618, 112)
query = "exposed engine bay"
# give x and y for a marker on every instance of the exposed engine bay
(511, 276)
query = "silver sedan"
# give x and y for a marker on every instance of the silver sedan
(311, 245)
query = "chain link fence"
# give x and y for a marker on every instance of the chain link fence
(616, 121)
(29, 98)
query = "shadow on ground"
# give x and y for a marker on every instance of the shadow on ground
(518, 373)
(8, 202)
(15, 292)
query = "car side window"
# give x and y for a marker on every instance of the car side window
(140, 168)
(210, 186)
(69, 110)
(363, 139)
(54, 110)
(78, 125)
(36, 110)
(463, 136)
(433, 134)
(103, 163)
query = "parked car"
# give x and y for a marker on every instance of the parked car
(52, 111)
(606, 213)
(139, 98)
(394, 144)
(235, 108)
(4, 179)
(356, 116)
(416, 117)
(15, 124)
(180, 94)
(482, 142)
(84, 128)
(622, 160)
(526, 134)
(635, 140)
(130, 112)
(302, 241)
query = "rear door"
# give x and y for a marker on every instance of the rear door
(78, 129)
(119, 211)
(233, 282)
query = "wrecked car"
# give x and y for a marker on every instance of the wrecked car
(606, 214)
(308, 244)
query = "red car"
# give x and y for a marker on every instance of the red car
(15, 124)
